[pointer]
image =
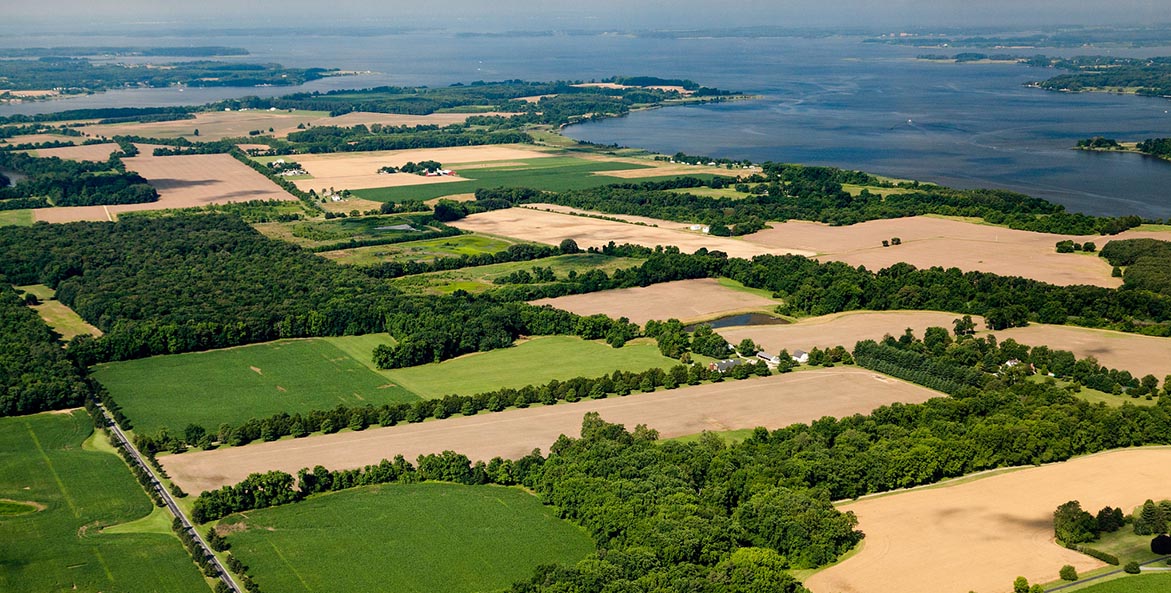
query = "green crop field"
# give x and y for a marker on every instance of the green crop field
(438, 538)
(1142, 583)
(480, 278)
(315, 233)
(16, 217)
(235, 384)
(550, 173)
(425, 250)
(534, 362)
(80, 490)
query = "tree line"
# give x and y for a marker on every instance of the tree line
(1145, 263)
(35, 374)
(59, 182)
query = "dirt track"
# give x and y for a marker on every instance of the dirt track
(980, 535)
(686, 300)
(772, 402)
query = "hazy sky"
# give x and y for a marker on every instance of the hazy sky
(498, 15)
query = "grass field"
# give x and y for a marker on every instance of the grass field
(479, 278)
(315, 233)
(16, 217)
(62, 319)
(426, 250)
(1142, 583)
(533, 362)
(63, 547)
(235, 384)
(549, 173)
(438, 538)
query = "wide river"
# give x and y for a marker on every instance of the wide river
(830, 101)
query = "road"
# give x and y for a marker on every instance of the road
(158, 486)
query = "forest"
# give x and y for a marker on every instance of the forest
(79, 75)
(1160, 147)
(1145, 76)
(35, 375)
(58, 182)
(1145, 263)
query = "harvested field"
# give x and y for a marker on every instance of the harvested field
(668, 224)
(929, 241)
(772, 402)
(842, 329)
(359, 170)
(88, 152)
(1141, 355)
(551, 228)
(685, 300)
(38, 138)
(981, 534)
(182, 182)
(397, 119)
(213, 125)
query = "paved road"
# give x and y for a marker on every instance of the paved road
(1106, 574)
(116, 431)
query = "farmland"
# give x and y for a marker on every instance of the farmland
(62, 319)
(88, 152)
(1006, 521)
(480, 278)
(232, 385)
(182, 182)
(1141, 355)
(686, 300)
(772, 402)
(445, 538)
(532, 362)
(841, 329)
(424, 251)
(75, 491)
(317, 233)
(551, 228)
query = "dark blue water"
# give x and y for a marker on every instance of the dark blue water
(831, 101)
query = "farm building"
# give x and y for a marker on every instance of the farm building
(800, 356)
(723, 366)
(769, 358)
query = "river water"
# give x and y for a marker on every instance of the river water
(831, 101)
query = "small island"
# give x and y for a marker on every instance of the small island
(1156, 147)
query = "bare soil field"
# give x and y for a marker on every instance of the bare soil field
(37, 138)
(1141, 355)
(667, 224)
(552, 228)
(89, 152)
(359, 170)
(216, 125)
(979, 535)
(771, 402)
(929, 241)
(685, 300)
(842, 329)
(182, 182)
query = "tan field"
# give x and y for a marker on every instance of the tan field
(656, 222)
(182, 181)
(552, 228)
(841, 329)
(611, 85)
(354, 170)
(771, 402)
(685, 300)
(664, 169)
(1141, 355)
(38, 138)
(89, 152)
(929, 241)
(216, 125)
(981, 534)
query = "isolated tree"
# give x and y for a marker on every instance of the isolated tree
(1161, 544)
(1072, 525)
(1020, 585)
(196, 132)
(747, 347)
(568, 246)
(1068, 573)
(964, 326)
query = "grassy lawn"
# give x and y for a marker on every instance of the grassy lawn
(438, 538)
(63, 546)
(426, 250)
(1094, 396)
(16, 217)
(235, 384)
(479, 279)
(854, 190)
(1126, 545)
(324, 232)
(548, 173)
(533, 362)
(723, 192)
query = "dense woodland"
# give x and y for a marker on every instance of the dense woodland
(1160, 147)
(1145, 262)
(59, 182)
(35, 375)
(1145, 76)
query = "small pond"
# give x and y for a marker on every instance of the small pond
(740, 319)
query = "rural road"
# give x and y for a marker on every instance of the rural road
(1107, 574)
(116, 431)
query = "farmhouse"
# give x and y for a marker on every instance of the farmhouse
(723, 366)
(800, 356)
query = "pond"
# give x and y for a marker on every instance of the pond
(740, 319)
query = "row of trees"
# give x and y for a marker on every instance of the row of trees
(513, 253)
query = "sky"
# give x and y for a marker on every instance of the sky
(503, 15)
